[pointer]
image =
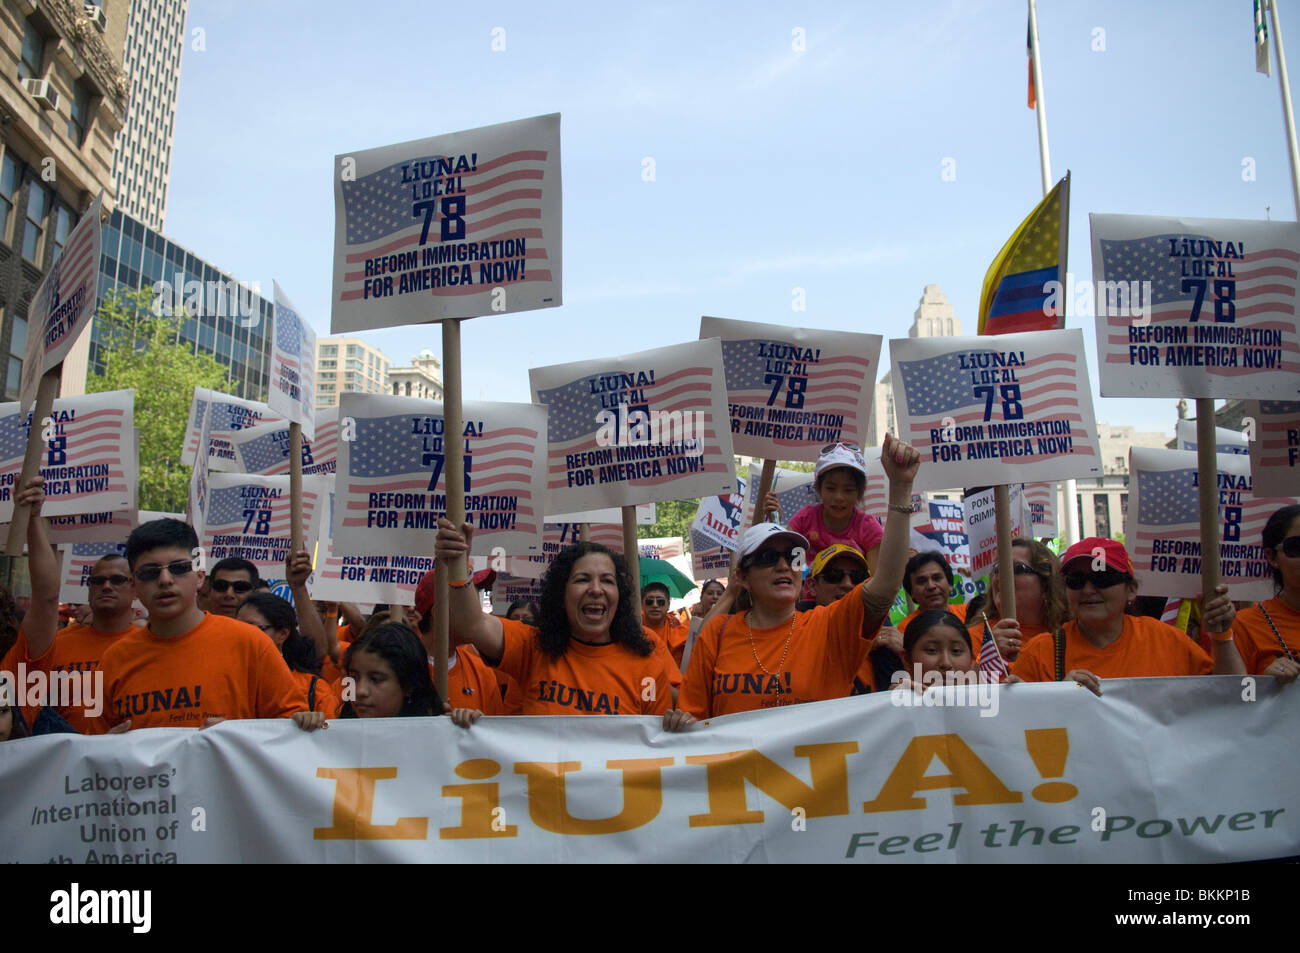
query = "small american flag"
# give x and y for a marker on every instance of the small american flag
(835, 384)
(992, 665)
(1170, 614)
(939, 387)
(1266, 286)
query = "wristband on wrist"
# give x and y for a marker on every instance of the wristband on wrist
(901, 508)
(1221, 636)
(458, 583)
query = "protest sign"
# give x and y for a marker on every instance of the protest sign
(790, 391)
(645, 515)
(248, 515)
(1040, 500)
(981, 528)
(1163, 528)
(709, 560)
(391, 481)
(1196, 307)
(640, 428)
(720, 519)
(292, 389)
(1275, 446)
(78, 559)
(87, 458)
(989, 410)
(557, 536)
(943, 528)
(452, 226)
(265, 447)
(661, 547)
(1226, 440)
(876, 780)
(509, 588)
(228, 416)
(63, 304)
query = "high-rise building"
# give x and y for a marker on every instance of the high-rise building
(345, 365)
(422, 379)
(225, 318)
(62, 101)
(933, 318)
(154, 41)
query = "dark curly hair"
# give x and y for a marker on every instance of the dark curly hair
(299, 651)
(553, 620)
(398, 646)
(1275, 532)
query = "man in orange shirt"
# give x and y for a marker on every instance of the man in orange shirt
(190, 668)
(664, 624)
(227, 585)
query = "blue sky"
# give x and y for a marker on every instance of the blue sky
(774, 169)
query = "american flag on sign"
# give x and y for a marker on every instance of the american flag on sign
(265, 449)
(293, 365)
(1169, 509)
(938, 387)
(575, 419)
(1266, 286)
(1276, 419)
(83, 466)
(992, 665)
(502, 202)
(228, 415)
(229, 512)
(386, 456)
(835, 385)
(1040, 500)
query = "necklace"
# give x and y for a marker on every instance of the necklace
(753, 648)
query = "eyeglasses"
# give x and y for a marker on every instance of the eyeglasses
(115, 580)
(1290, 546)
(770, 557)
(181, 567)
(1021, 569)
(239, 585)
(835, 576)
(1101, 580)
(656, 602)
(851, 447)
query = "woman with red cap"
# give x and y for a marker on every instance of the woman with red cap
(1102, 641)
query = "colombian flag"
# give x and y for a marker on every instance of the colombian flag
(1015, 289)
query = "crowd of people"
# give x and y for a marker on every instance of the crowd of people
(219, 645)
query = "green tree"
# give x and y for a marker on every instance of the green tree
(143, 351)
(673, 518)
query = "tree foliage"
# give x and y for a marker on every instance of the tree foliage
(143, 351)
(673, 518)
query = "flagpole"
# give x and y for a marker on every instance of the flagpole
(1287, 113)
(1070, 488)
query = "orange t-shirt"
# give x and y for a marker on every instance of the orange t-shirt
(76, 648)
(221, 667)
(826, 648)
(472, 683)
(334, 673)
(586, 679)
(327, 698)
(672, 633)
(956, 608)
(1146, 648)
(1258, 646)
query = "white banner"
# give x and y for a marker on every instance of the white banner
(248, 515)
(983, 410)
(229, 415)
(453, 226)
(1163, 529)
(1190, 307)
(392, 486)
(980, 520)
(63, 304)
(87, 462)
(791, 391)
(1275, 446)
(265, 448)
(855, 780)
(292, 391)
(1225, 440)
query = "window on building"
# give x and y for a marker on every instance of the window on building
(79, 113)
(408, 388)
(354, 350)
(9, 181)
(17, 347)
(1123, 508)
(64, 221)
(33, 55)
(38, 206)
(329, 350)
(1101, 510)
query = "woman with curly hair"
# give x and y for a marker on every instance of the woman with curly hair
(587, 655)
(1040, 599)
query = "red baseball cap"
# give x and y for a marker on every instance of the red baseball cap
(1112, 554)
(425, 590)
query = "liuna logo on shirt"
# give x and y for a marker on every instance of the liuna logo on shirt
(575, 698)
(166, 699)
(747, 683)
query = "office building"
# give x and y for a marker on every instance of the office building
(348, 365)
(422, 379)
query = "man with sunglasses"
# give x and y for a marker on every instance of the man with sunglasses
(189, 668)
(655, 616)
(228, 585)
(1102, 641)
(835, 571)
(78, 647)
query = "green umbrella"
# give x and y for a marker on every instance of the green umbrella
(657, 570)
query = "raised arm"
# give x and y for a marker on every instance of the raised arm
(296, 570)
(42, 620)
(466, 614)
(901, 462)
(1217, 616)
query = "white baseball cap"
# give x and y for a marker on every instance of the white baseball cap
(840, 455)
(760, 533)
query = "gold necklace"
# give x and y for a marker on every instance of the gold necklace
(753, 648)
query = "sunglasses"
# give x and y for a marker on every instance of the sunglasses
(181, 567)
(836, 576)
(1290, 547)
(1101, 580)
(851, 447)
(1020, 569)
(766, 558)
(239, 585)
(117, 579)
(656, 602)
